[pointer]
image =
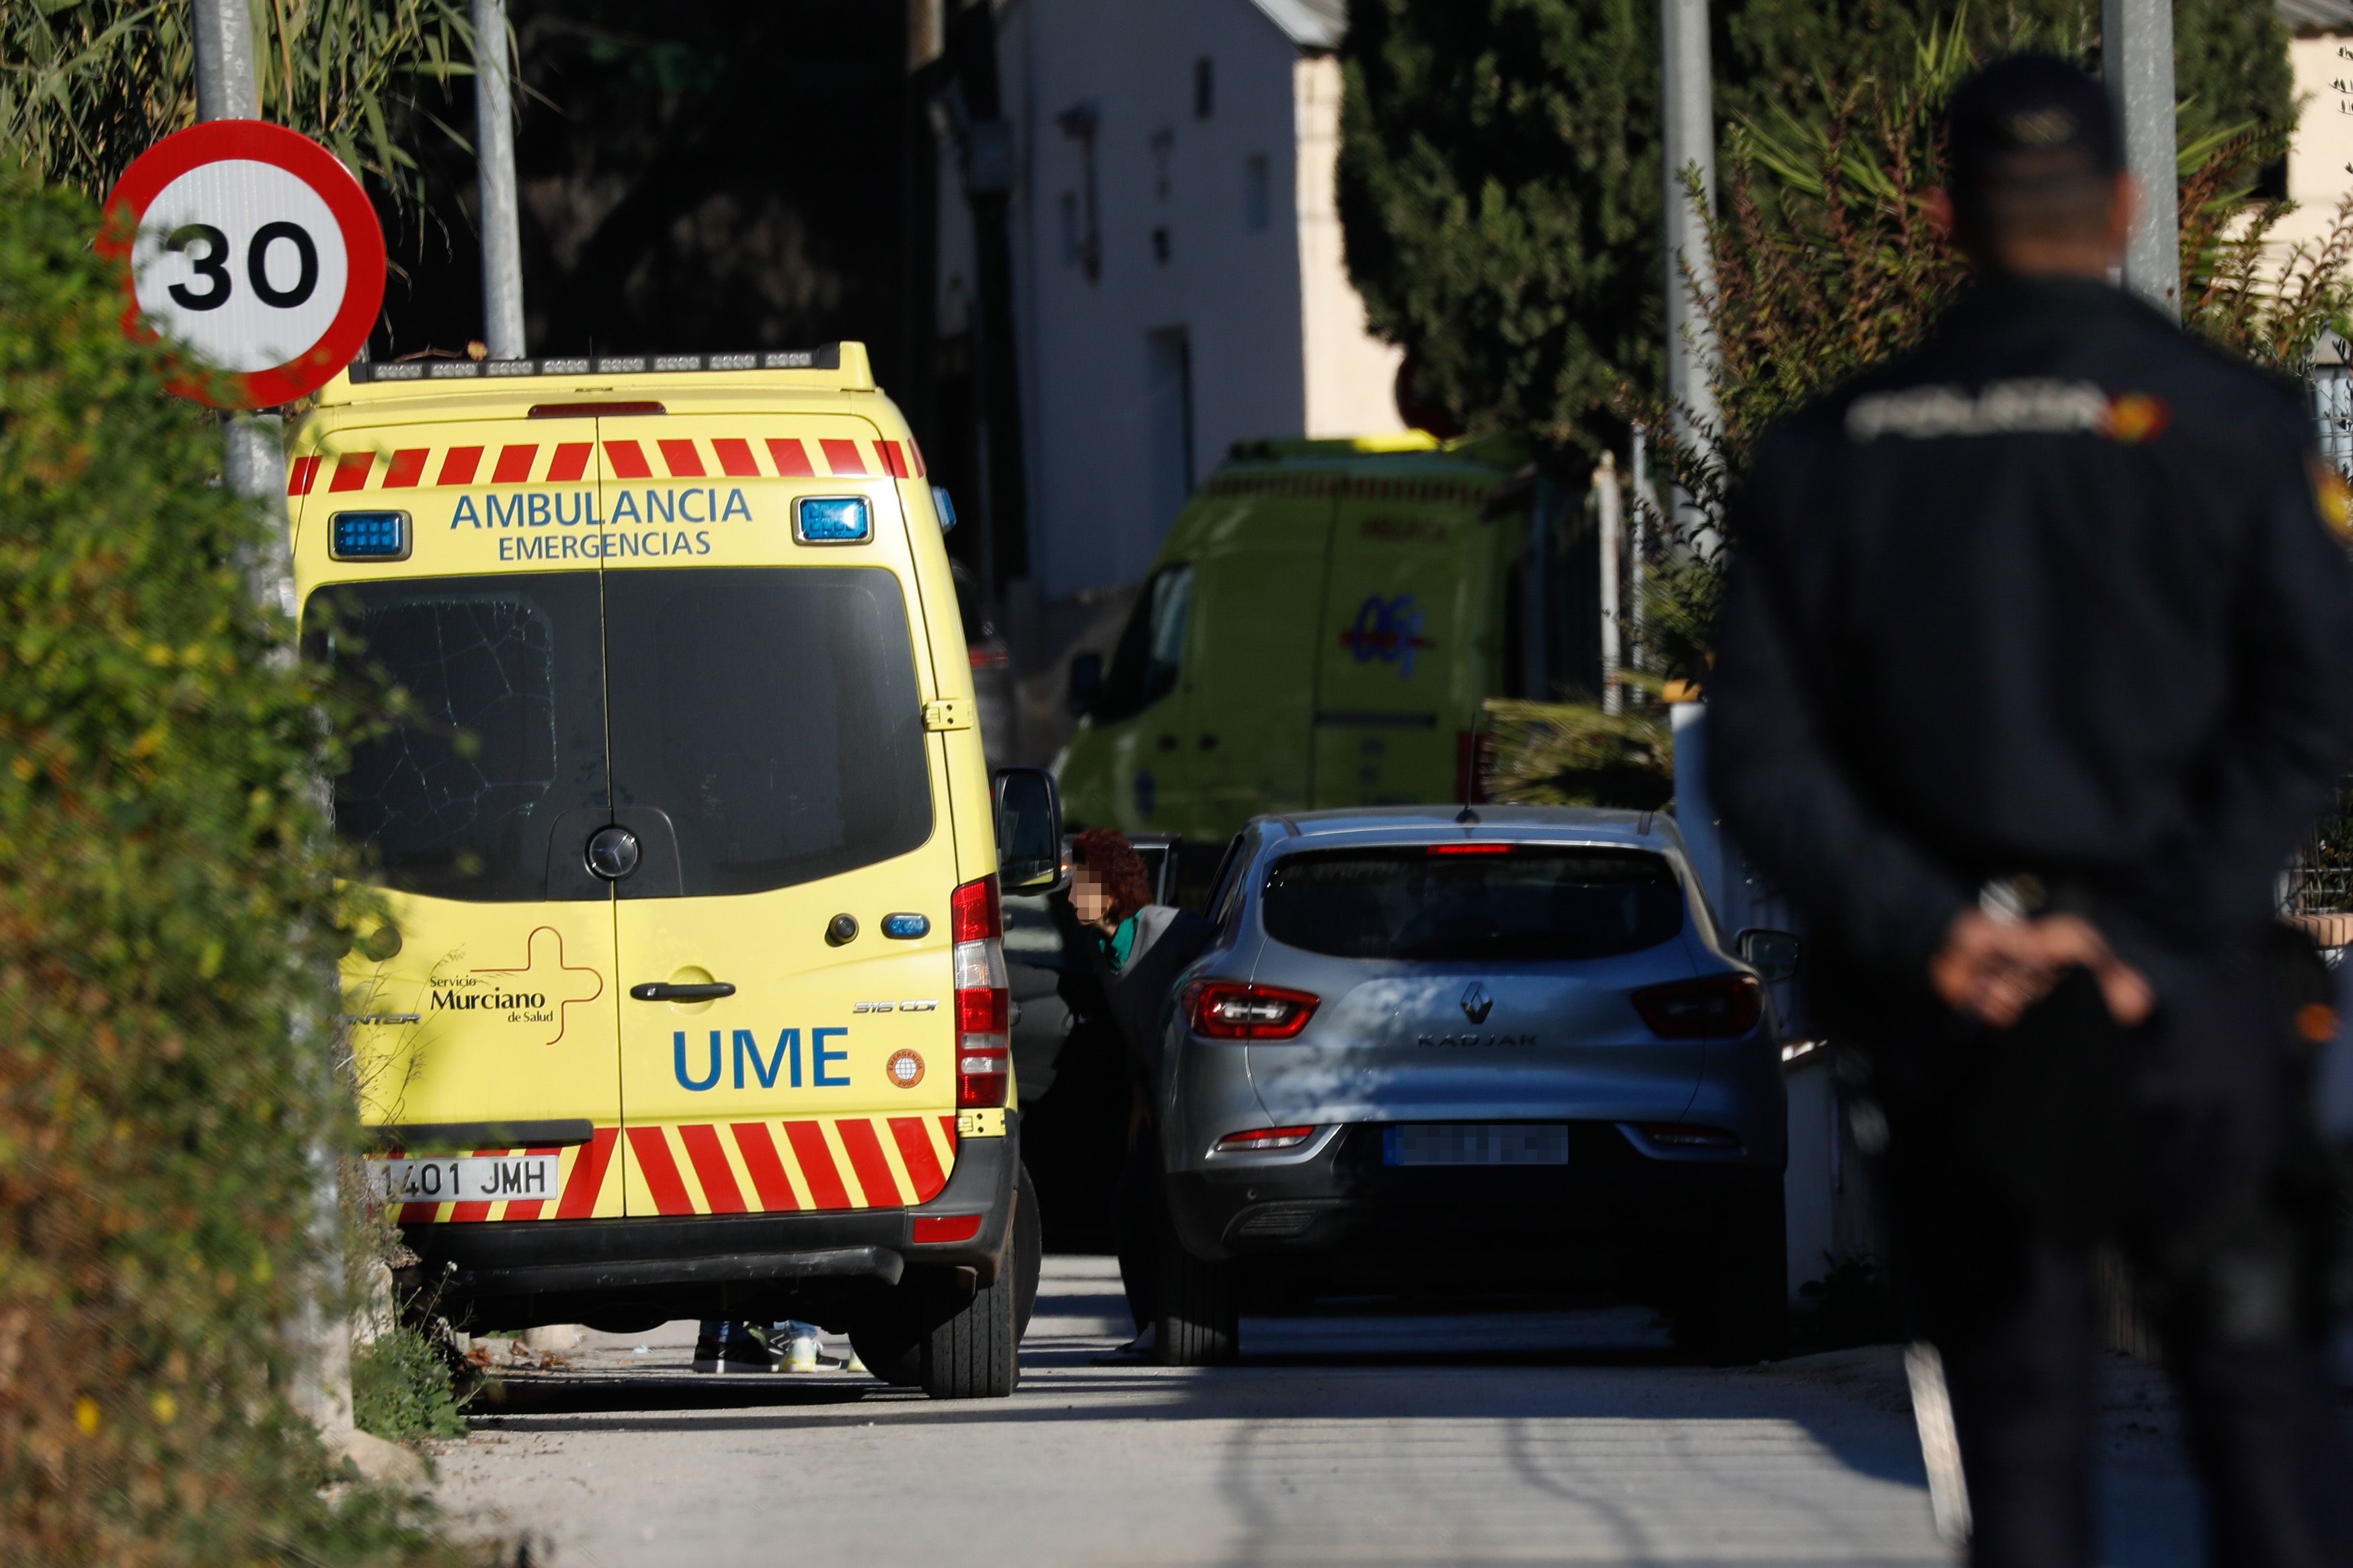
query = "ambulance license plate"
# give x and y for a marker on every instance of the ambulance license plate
(466, 1178)
(1474, 1144)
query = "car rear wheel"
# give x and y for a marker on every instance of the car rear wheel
(1199, 1321)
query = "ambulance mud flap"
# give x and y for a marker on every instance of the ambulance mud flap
(973, 1216)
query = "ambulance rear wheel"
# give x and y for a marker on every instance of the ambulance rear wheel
(890, 1341)
(974, 1351)
(1028, 1257)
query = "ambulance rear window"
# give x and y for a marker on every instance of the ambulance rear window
(504, 727)
(771, 714)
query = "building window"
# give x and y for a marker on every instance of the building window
(1168, 415)
(1258, 198)
(1164, 152)
(1205, 87)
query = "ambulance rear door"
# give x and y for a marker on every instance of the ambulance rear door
(483, 1013)
(1405, 640)
(784, 931)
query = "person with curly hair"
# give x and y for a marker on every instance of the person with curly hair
(1143, 949)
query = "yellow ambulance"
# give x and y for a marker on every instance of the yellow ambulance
(690, 999)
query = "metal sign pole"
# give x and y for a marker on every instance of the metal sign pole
(1686, 100)
(2136, 57)
(254, 466)
(494, 148)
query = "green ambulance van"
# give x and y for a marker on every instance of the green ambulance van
(1319, 629)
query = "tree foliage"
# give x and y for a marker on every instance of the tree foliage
(167, 911)
(87, 85)
(1825, 262)
(1500, 185)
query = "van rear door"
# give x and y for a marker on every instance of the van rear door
(788, 1023)
(483, 1013)
(1407, 638)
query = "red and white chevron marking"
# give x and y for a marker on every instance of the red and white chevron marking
(568, 462)
(737, 1167)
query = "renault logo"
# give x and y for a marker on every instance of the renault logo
(1476, 1002)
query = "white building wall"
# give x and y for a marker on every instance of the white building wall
(1351, 374)
(2318, 178)
(1254, 280)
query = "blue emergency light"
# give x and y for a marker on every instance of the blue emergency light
(944, 506)
(906, 928)
(368, 536)
(831, 520)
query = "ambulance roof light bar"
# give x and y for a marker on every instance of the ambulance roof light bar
(826, 357)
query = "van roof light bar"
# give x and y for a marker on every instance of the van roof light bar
(825, 357)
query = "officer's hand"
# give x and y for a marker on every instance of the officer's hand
(1991, 970)
(1995, 970)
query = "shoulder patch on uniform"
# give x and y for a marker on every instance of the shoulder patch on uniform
(2334, 497)
(2136, 416)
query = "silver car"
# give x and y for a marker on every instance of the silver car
(1425, 1054)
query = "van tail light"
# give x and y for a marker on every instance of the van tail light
(1265, 1138)
(1716, 1007)
(1234, 1010)
(983, 999)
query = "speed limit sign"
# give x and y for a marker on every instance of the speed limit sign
(254, 247)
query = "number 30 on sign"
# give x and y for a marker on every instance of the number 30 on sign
(253, 249)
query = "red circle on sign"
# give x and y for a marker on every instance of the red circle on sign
(258, 140)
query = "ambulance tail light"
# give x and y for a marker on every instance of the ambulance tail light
(984, 998)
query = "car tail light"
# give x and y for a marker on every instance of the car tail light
(1234, 1010)
(984, 657)
(1468, 849)
(984, 1002)
(1266, 1138)
(1717, 1006)
(946, 1227)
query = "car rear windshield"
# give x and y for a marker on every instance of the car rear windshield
(767, 719)
(1423, 902)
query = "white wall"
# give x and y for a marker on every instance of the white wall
(2318, 179)
(1235, 291)
(1351, 374)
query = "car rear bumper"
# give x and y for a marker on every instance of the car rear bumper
(517, 1275)
(1614, 1209)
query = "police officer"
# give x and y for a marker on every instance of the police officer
(2036, 661)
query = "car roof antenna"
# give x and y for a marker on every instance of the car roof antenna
(1467, 816)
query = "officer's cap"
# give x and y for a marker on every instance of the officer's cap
(2030, 119)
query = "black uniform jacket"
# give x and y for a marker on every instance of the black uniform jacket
(2053, 594)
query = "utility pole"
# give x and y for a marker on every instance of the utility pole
(494, 150)
(1606, 516)
(254, 466)
(1686, 99)
(2136, 57)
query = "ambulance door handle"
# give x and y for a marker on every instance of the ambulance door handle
(658, 991)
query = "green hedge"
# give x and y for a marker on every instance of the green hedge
(167, 906)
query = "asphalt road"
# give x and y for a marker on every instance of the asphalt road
(1376, 1438)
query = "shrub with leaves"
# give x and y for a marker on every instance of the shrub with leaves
(167, 911)
(1826, 262)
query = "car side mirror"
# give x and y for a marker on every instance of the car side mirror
(1029, 831)
(1773, 954)
(1086, 683)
